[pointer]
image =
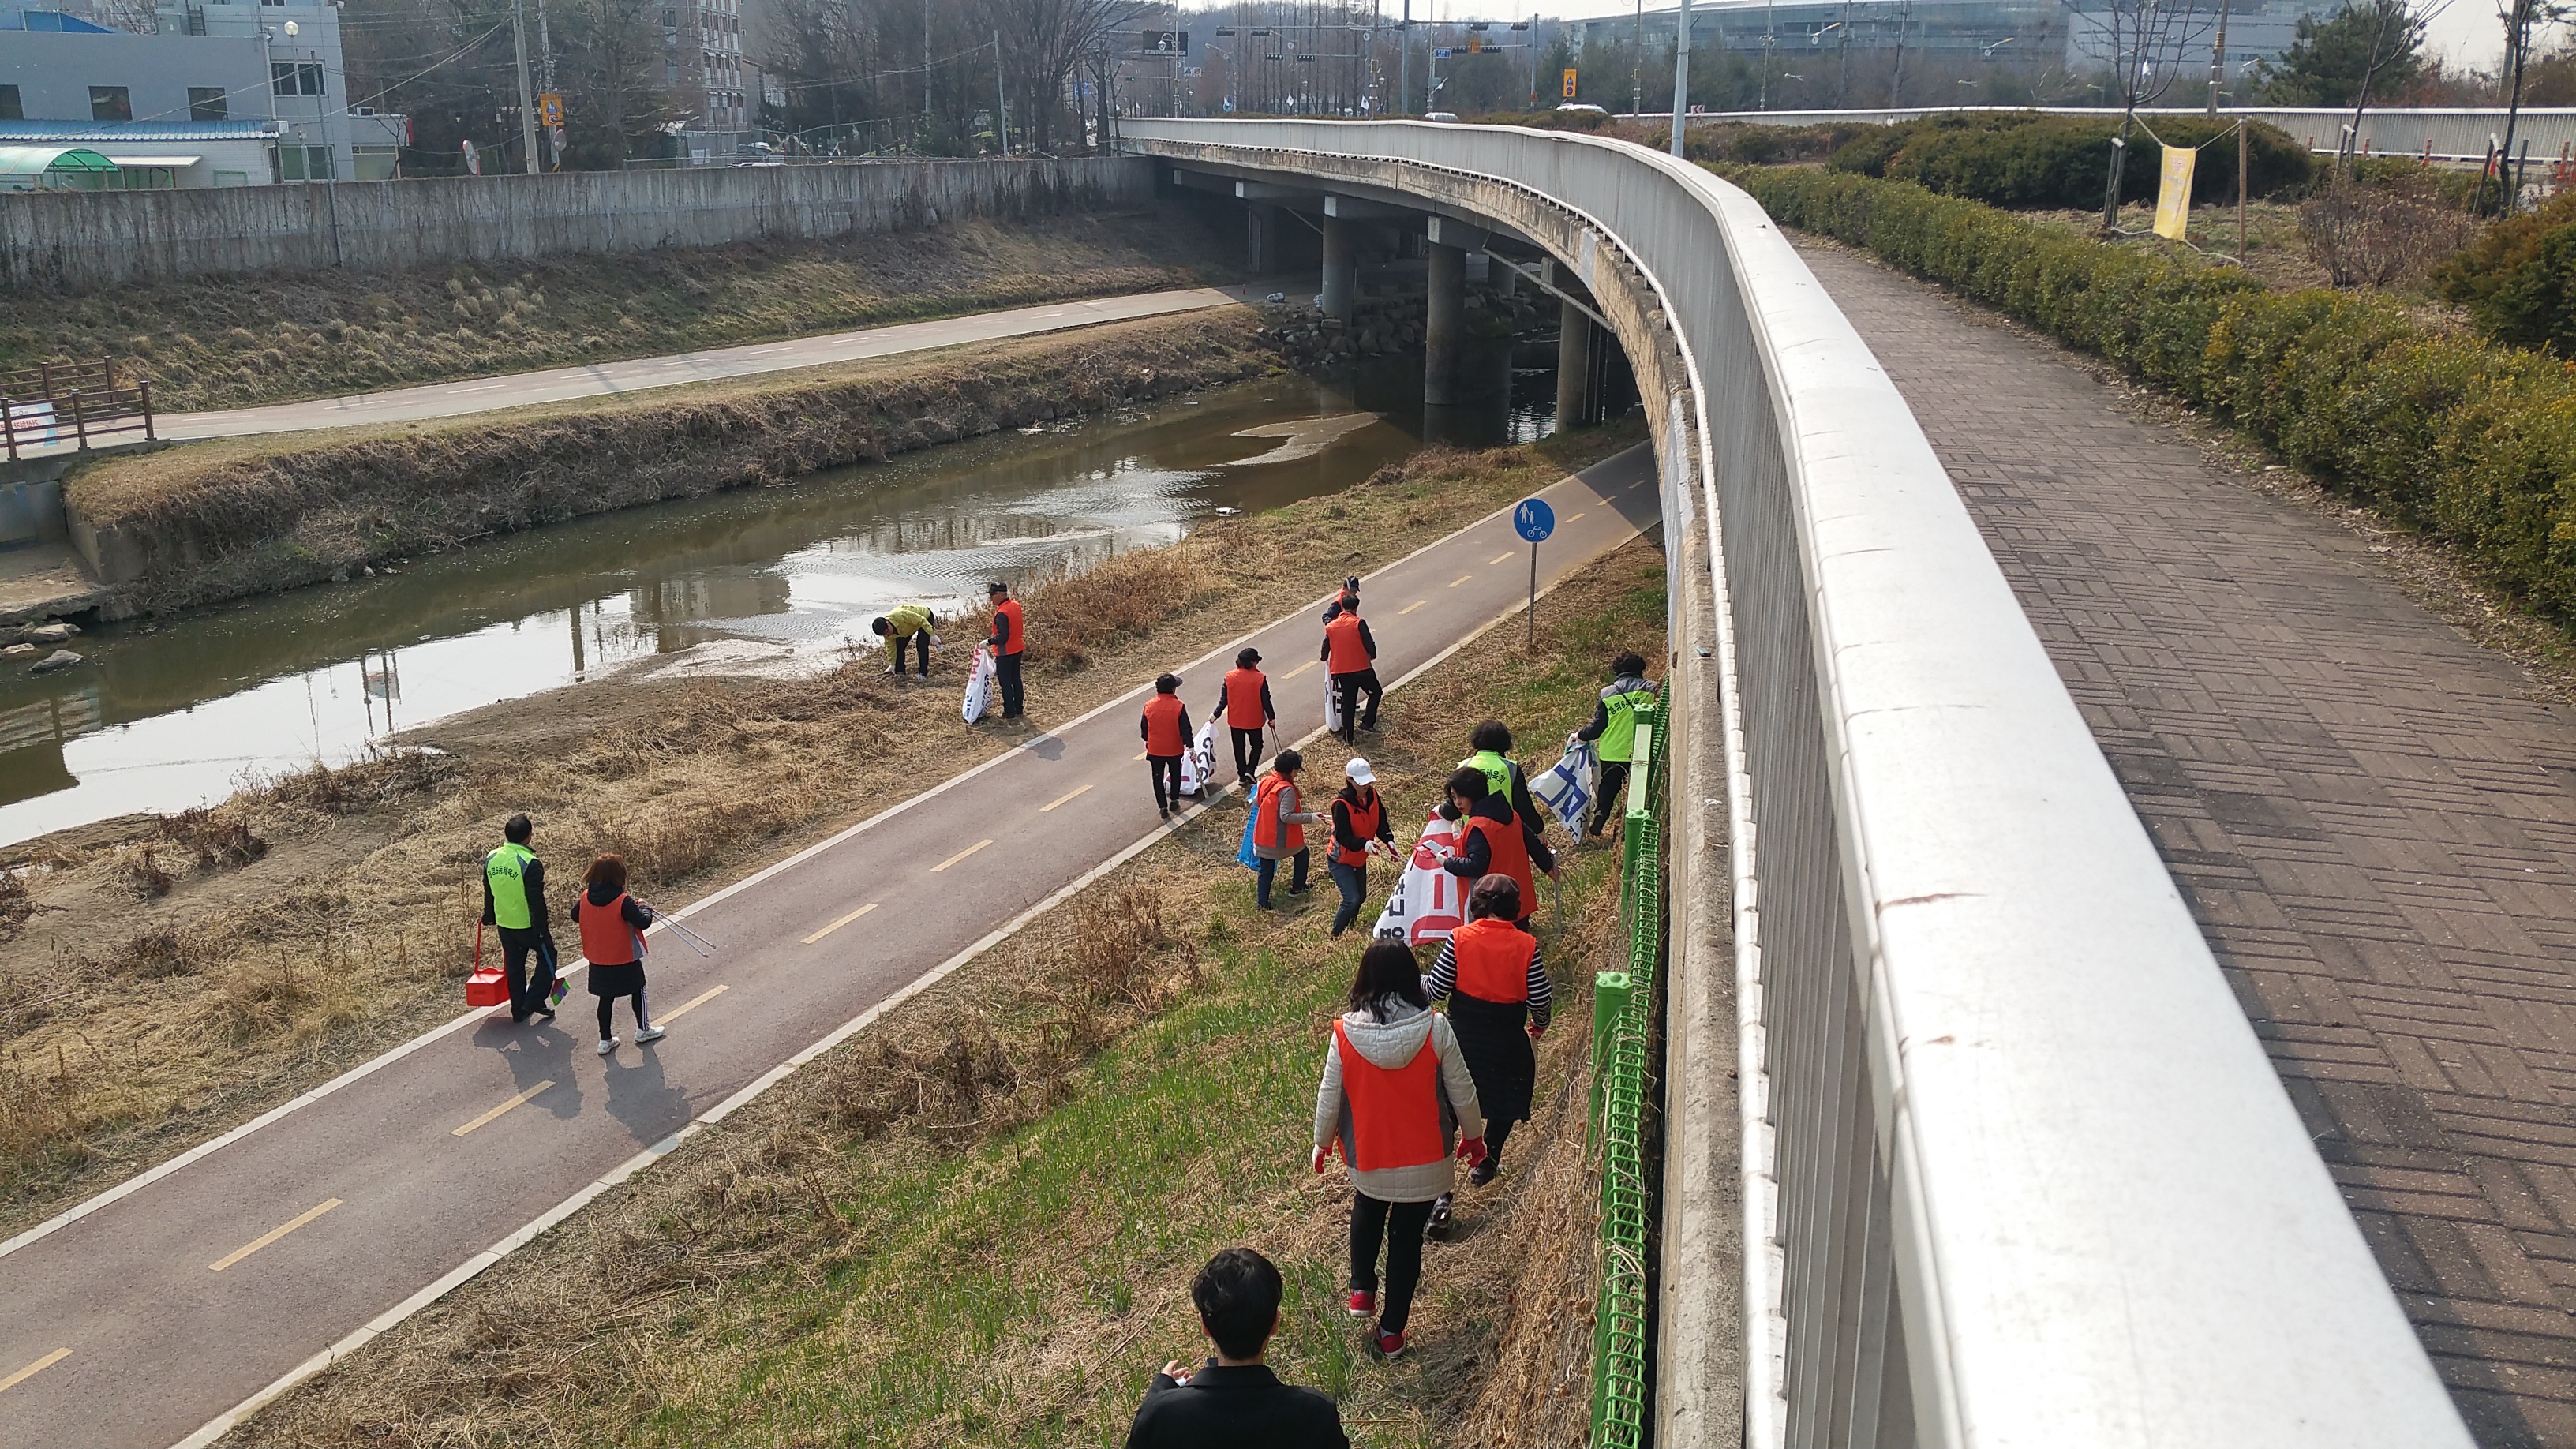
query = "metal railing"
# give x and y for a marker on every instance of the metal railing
(1623, 1035)
(2547, 134)
(76, 403)
(2017, 1171)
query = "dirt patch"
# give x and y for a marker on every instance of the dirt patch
(368, 875)
(230, 341)
(976, 1222)
(221, 520)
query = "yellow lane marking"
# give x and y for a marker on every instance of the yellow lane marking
(271, 1236)
(1498, 558)
(970, 850)
(1060, 799)
(1300, 669)
(517, 1101)
(1578, 518)
(836, 925)
(692, 1004)
(1409, 608)
(1462, 578)
(33, 1369)
(1140, 754)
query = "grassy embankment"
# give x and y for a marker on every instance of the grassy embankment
(222, 519)
(159, 984)
(976, 1224)
(212, 342)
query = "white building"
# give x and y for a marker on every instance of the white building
(221, 94)
(702, 64)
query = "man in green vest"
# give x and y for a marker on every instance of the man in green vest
(1492, 742)
(1614, 725)
(514, 899)
(901, 626)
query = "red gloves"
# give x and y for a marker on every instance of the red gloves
(1471, 1151)
(1320, 1154)
(1536, 1031)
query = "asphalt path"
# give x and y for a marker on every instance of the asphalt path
(565, 384)
(154, 1313)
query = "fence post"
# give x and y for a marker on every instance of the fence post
(80, 424)
(9, 426)
(1609, 1003)
(145, 388)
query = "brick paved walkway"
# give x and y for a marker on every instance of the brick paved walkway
(2373, 821)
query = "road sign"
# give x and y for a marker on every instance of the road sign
(1439, 52)
(1569, 83)
(550, 111)
(1164, 42)
(1534, 520)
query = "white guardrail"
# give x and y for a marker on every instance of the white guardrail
(2025, 1176)
(2455, 133)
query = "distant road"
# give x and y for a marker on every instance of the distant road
(564, 384)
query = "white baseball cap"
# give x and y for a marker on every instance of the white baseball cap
(1360, 772)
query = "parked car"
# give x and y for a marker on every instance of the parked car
(1439, 115)
(1583, 108)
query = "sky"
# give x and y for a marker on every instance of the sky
(2465, 32)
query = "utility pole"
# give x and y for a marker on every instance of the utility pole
(1637, 63)
(925, 70)
(527, 102)
(1681, 74)
(1001, 110)
(2218, 59)
(1404, 68)
(546, 75)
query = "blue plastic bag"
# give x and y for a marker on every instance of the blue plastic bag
(1250, 859)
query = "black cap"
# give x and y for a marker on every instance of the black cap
(997, 588)
(1351, 585)
(1247, 659)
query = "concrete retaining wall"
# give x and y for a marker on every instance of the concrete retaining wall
(84, 241)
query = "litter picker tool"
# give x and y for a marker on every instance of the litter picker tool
(688, 938)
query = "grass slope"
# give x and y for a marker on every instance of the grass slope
(976, 1223)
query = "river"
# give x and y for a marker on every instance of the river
(183, 711)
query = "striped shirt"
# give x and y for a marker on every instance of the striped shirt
(1444, 979)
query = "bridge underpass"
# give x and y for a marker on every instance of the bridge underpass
(1967, 1140)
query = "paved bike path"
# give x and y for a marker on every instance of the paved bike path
(565, 384)
(390, 1185)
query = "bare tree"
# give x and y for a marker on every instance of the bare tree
(2143, 43)
(2523, 22)
(1044, 42)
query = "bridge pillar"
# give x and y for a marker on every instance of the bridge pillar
(1261, 239)
(1341, 268)
(1444, 318)
(1575, 398)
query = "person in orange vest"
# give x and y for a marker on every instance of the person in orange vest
(1498, 994)
(1396, 1093)
(1243, 702)
(1350, 655)
(612, 940)
(1495, 840)
(1348, 598)
(1166, 731)
(1008, 638)
(1360, 828)
(1279, 827)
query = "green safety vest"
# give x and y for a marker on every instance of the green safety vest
(906, 621)
(1620, 701)
(504, 873)
(1498, 771)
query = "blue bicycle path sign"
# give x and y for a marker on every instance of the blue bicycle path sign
(1534, 520)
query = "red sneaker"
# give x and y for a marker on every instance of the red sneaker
(1389, 1345)
(1363, 1302)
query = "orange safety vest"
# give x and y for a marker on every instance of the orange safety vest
(1493, 959)
(1163, 726)
(1364, 825)
(606, 938)
(1243, 699)
(1265, 824)
(1510, 856)
(1010, 609)
(1395, 1115)
(1350, 655)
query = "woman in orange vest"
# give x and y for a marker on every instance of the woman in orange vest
(1360, 825)
(1492, 839)
(1243, 699)
(1490, 970)
(612, 940)
(1279, 827)
(1396, 1092)
(1166, 731)
(1350, 656)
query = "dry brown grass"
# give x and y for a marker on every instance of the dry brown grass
(375, 864)
(940, 1233)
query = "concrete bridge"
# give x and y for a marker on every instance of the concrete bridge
(1966, 1138)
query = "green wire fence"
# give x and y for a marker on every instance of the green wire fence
(1623, 1004)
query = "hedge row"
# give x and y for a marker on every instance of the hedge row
(2472, 442)
(2027, 158)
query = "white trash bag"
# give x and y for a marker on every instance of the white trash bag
(979, 686)
(1332, 706)
(1567, 787)
(1198, 765)
(1428, 902)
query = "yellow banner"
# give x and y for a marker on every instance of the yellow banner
(2173, 198)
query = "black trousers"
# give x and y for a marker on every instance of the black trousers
(1356, 715)
(1006, 673)
(527, 993)
(1399, 1225)
(1247, 754)
(1607, 785)
(607, 1009)
(894, 651)
(1498, 1131)
(1160, 766)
